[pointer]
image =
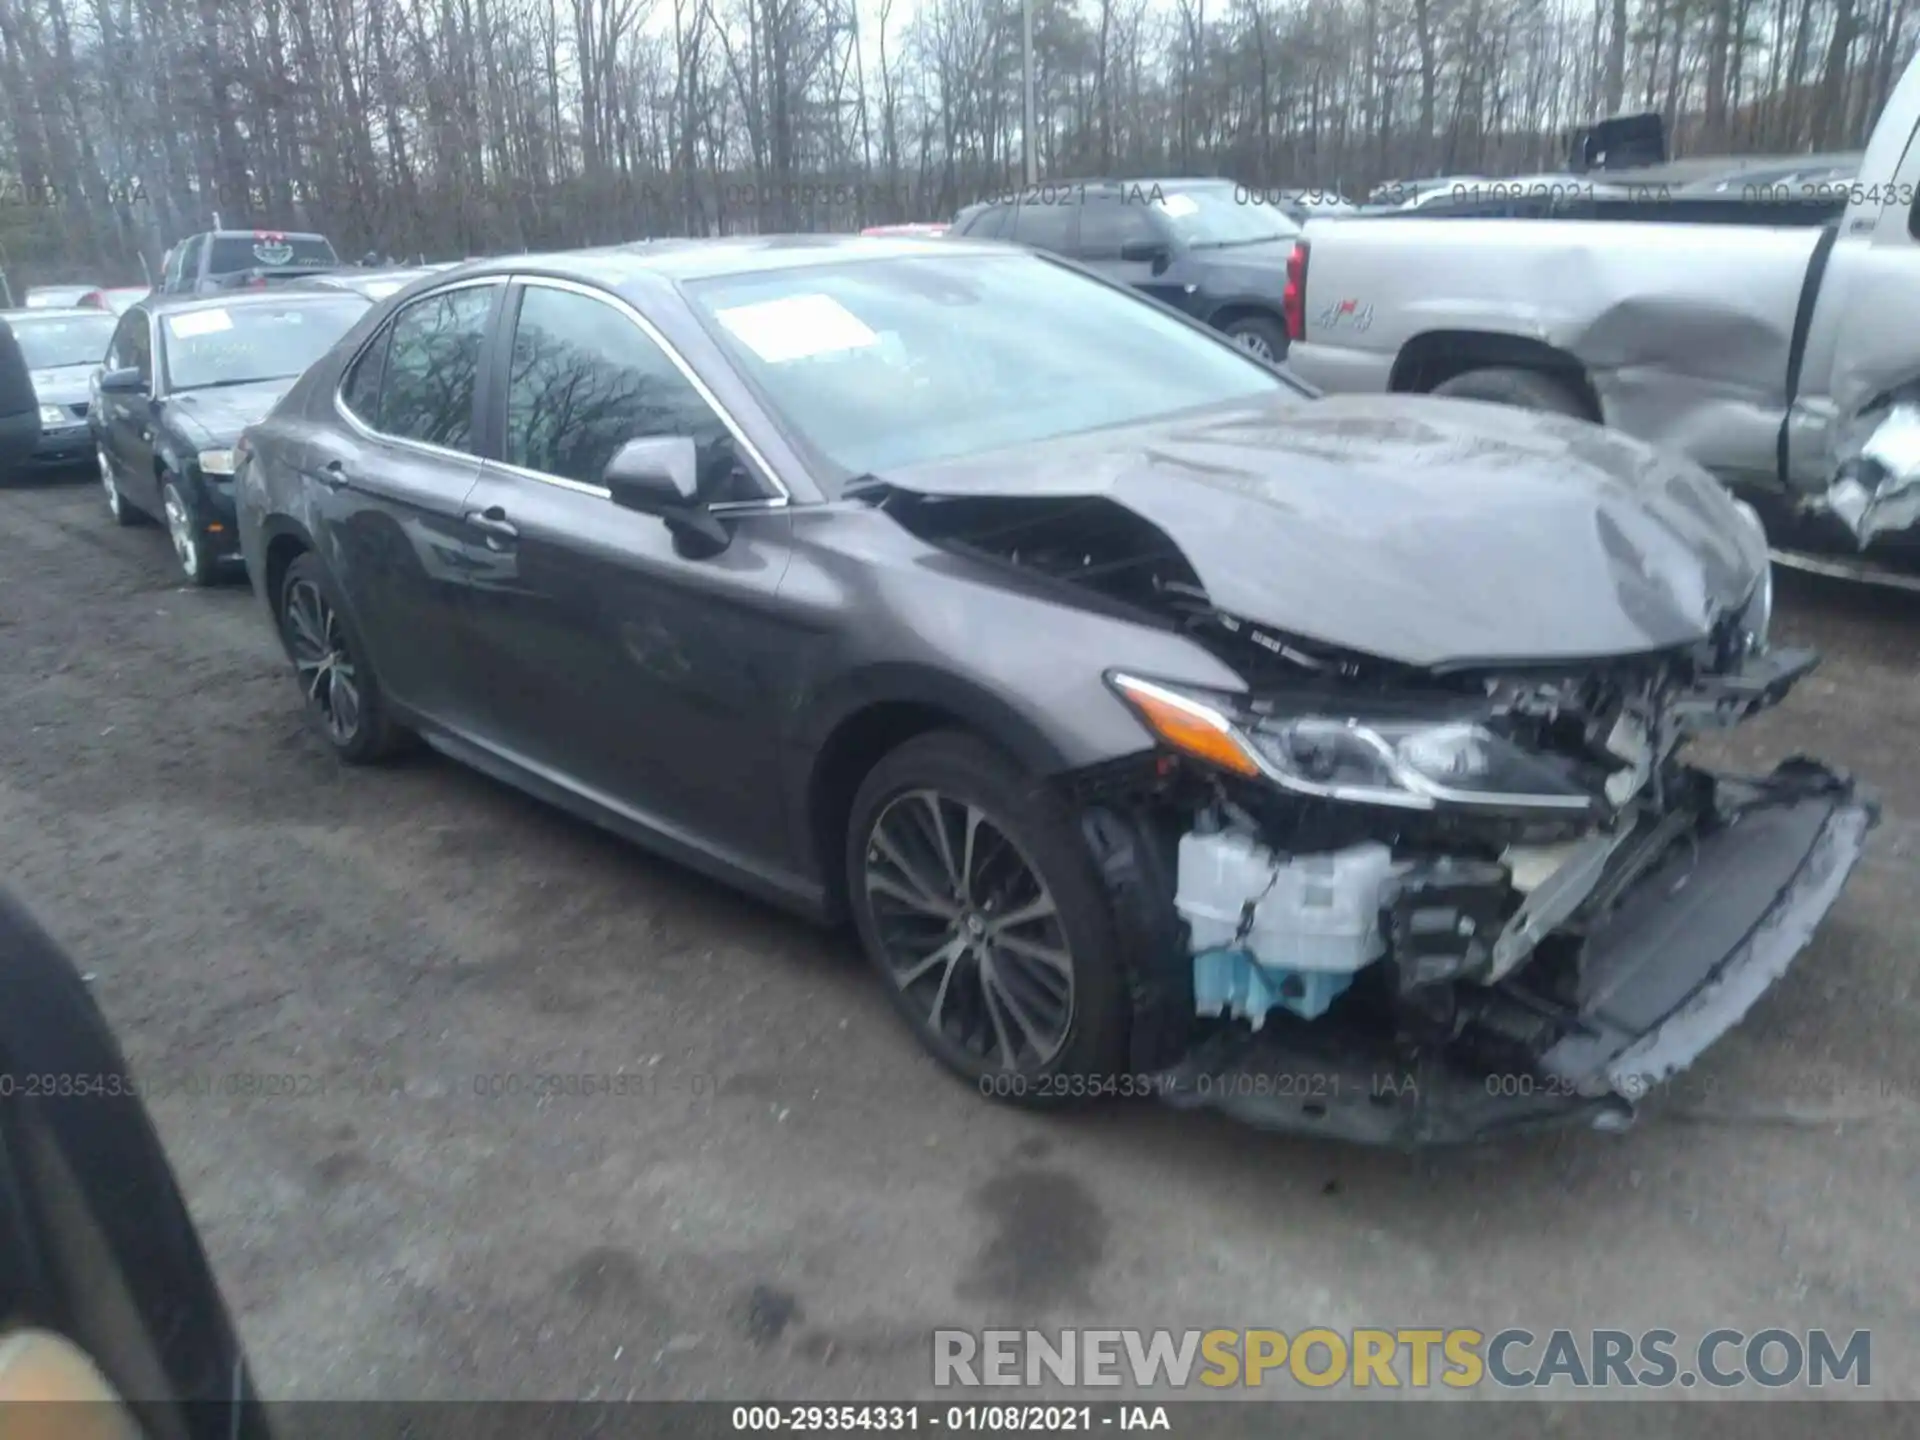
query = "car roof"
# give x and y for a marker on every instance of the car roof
(54, 312)
(700, 259)
(236, 300)
(264, 230)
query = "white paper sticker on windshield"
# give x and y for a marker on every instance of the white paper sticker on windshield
(199, 322)
(1178, 206)
(797, 328)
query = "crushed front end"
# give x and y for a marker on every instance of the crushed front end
(1421, 908)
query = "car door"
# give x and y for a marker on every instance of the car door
(1121, 239)
(390, 477)
(126, 427)
(613, 657)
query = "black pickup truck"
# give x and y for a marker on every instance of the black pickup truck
(219, 260)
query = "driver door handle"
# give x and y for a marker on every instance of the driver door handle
(493, 522)
(333, 475)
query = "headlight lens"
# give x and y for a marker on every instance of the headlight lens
(217, 462)
(1413, 764)
(52, 415)
(1407, 764)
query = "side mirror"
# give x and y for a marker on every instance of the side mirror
(1146, 252)
(659, 475)
(126, 381)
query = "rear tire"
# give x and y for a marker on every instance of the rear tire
(1523, 389)
(976, 900)
(338, 689)
(1259, 336)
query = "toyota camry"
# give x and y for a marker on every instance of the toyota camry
(1158, 726)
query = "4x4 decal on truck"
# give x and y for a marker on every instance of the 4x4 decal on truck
(1350, 313)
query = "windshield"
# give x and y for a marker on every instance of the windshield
(1212, 216)
(232, 345)
(230, 253)
(883, 364)
(70, 340)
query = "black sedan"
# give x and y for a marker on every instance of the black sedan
(1159, 727)
(182, 378)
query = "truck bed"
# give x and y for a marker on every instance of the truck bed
(1683, 330)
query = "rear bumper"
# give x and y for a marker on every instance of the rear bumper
(68, 445)
(1676, 965)
(1339, 370)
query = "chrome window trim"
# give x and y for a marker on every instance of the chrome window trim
(366, 431)
(600, 492)
(679, 362)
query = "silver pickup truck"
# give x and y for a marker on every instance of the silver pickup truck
(1782, 354)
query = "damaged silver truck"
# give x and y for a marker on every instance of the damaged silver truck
(1777, 350)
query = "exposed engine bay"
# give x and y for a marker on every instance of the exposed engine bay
(1406, 905)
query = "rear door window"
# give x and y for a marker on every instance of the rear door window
(432, 368)
(1047, 224)
(988, 224)
(1109, 222)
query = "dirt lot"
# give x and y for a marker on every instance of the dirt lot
(799, 1198)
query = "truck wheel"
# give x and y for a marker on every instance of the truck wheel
(1527, 389)
(1258, 336)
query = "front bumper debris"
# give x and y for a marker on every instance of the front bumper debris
(1878, 492)
(1691, 946)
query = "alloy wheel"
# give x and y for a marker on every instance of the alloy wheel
(1254, 344)
(186, 544)
(116, 507)
(320, 656)
(969, 930)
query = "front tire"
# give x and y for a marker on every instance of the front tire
(976, 899)
(183, 529)
(124, 515)
(342, 698)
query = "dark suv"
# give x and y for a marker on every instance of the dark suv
(220, 260)
(1220, 252)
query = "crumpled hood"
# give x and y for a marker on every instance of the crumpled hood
(1426, 531)
(224, 412)
(64, 384)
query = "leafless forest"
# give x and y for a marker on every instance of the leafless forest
(453, 127)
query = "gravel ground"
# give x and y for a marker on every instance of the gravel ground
(797, 1197)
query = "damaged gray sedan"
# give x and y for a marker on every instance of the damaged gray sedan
(1160, 728)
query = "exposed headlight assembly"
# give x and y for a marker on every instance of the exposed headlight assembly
(53, 415)
(1406, 764)
(216, 462)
